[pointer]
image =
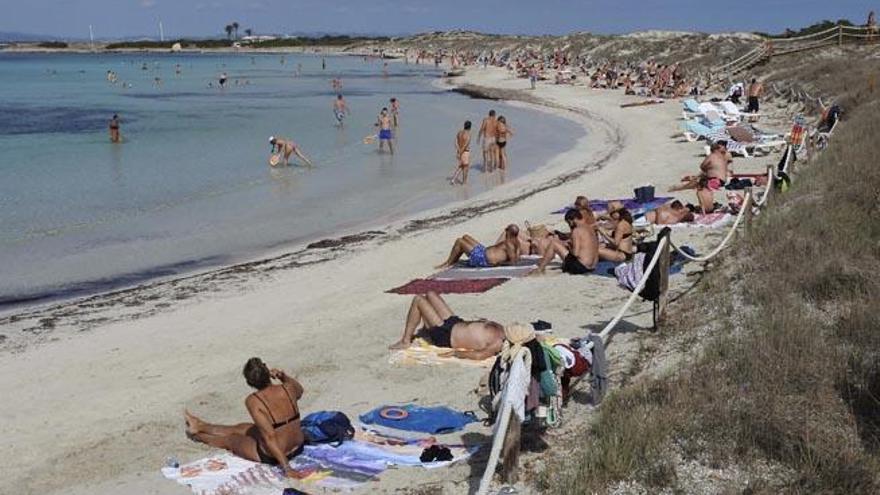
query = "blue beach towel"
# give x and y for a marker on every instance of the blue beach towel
(433, 420)
(676, 264)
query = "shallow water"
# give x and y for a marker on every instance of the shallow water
(190, 186)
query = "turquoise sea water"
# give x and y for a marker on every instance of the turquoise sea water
(190, 186)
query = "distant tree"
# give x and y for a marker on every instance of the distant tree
(248, 32)
(228, 29)
(235, 28)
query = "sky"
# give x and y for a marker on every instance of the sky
(124, 18)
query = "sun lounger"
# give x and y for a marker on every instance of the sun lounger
(695, 131)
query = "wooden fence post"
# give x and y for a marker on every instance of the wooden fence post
(840, 35)
(748, 204)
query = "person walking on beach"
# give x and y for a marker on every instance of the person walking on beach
(384, 124)
(756, 89)
(395, 112)
(340, 110)
(114, 129)
(502, 133)
(533, 76)
(463, 153)
(486, 138)
(285, 148)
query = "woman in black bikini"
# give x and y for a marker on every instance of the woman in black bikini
(502, 132)
(275, 436)
(619, 245)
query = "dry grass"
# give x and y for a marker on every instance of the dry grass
(793, 377)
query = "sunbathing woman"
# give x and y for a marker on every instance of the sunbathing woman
(618, 245)
(478, 339)
(504, 252)
(275, 436)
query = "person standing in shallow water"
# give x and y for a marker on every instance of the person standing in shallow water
(114, 129)
(463, 153)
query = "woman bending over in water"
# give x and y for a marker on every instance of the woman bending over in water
(275, 436)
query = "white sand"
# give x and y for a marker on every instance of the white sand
(98, 411)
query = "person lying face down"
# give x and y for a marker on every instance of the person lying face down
(476, 339)
(671, 213)
(505, 252)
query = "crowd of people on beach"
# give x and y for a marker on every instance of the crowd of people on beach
(593, 236)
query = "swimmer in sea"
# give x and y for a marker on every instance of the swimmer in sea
(222, 80)
(340, 110)
(288, 148)
(114, 129)
(385, 135)
(395, 112)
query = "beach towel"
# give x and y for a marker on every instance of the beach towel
(421, 352)
(348, 466)
(465, 286)
(601, 205)
(461, 271)
(433, 420)
(706, 221)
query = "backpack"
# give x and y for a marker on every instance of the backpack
(327, 427)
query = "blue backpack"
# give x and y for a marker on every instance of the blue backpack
(327, 427)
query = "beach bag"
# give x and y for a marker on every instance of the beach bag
(327, 427)
(644, 194)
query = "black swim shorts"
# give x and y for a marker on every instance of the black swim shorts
(573, 266)
(441, 336)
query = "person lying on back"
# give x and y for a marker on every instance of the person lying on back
(476, 339)
(505, 252)
(669, 214)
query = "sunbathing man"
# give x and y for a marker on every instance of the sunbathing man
(275, 436)
(715, 167)
(581, 253)
(669, 214)
(505, 252)
(476, 339)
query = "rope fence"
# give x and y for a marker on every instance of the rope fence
(503, 420)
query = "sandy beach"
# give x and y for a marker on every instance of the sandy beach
(94, 397)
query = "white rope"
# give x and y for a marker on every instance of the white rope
(723, 244)
(770, 177)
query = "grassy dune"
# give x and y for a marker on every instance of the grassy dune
(781, 343)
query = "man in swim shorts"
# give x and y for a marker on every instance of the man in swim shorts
(581, 253)
(486, 137)
(504, 252)
(475, 339)
(340, 109)
(395, 112)
(756, 89)
(383, 122)
(287, 147)
(463, 152)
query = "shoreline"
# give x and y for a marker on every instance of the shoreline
(76, 309)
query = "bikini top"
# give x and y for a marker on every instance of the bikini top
(279, 424)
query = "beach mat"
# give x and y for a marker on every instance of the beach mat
(706, 221)
(461, 271)
(601, 205)
(465, 286)
(345, 467)
(423, 353)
